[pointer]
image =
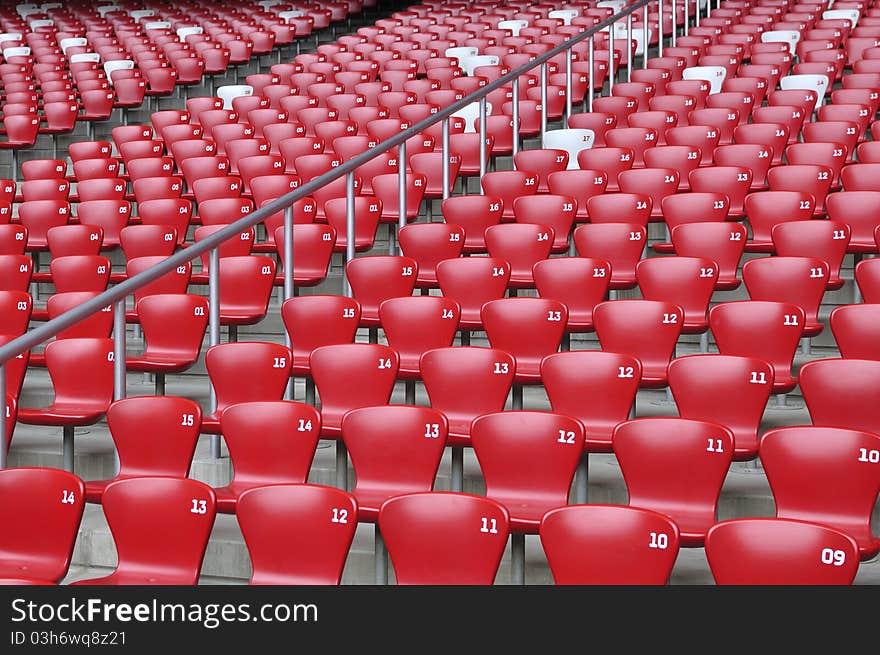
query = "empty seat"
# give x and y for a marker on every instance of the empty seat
(45, 505)
(704, 388)
(244, 372)
(377, 278)
(685, 281)
(174, 426)
(831, 458)
(855, 329)
(527, 328)
(609, 545)
(798, 280)
(775, 551)
(139, 509)
(395, 450)
(297, 534)
(416, 324)
(318, 320)
(426, 534)
(765, 330)
(647, 329)
(81, 370)
(270, 442)
(646, 448)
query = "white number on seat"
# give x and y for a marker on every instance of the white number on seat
(187, 420)
(199, 506)
(658, 540)
(67, 497)
(432, 430)
(501, 368)
(489, 525)
(715, 446)
(565, 436)
(304, 425)
(871, 456)
(340, 515)
(833, 557)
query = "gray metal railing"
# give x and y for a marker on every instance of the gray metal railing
(117, 294)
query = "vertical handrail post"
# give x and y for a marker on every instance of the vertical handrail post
(288, 282)
(660, 28)
(514, 119)
(568, 74)
(543, 101)
(445, 126)
(646, 37)
(611, 71)
(483, 153)
(214, 329)
(675, 21)
(629, 48)
(119, 390)
(590, 65)
(401, 189)
(349, 230)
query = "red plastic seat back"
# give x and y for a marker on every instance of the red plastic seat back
(270, 442)
(247, 371)
(394, 449)
(82, 373)
(768, 551)
(609, 545)
(840, 392)
(527, 328)
(466, 382)
(471, 282)
(734, 181)
(178, 506)
(45, 505)
(318, 320)
(831, 458)
(377, 278)
(798, 280)
(422, 531)
(646, 329)
(176, 422)
(770, 331)
(297, 533)
(597, 388)
(528, 460)
(684, 281)
(855, 330)
(647, 447)
(349, 376)
(704, 387)
(174, 326)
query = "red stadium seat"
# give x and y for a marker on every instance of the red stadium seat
(183, 506)
(609, 545)
(45, 505)
(702, 386)
(289, 537)
(647, 329)
(421, 530)
(774, 551)
(270, 442)
(647, 447)
(168, 454)
(832, 458)
(597, 388)
(763, 330)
